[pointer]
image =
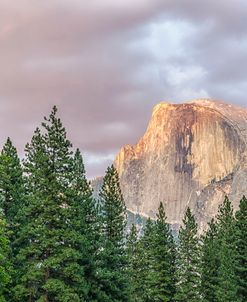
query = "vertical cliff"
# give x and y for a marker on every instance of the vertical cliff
(192, 154)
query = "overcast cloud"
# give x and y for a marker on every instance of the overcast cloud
(105, 63)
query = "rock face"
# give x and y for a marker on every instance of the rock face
(192, 154)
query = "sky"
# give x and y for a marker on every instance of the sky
(106, 63)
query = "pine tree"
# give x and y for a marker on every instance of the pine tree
(188, 261)
(5, 264)
(241, 241)
(135, 265)
(226, 289)
(210, 263)
(86, 222)
(11, 182)
(49, 258)
(114, 260)
(12, 198)
(146, 269)
(163, 260)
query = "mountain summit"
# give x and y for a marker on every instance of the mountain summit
(191, 154)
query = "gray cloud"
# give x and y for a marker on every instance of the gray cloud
(105, 63)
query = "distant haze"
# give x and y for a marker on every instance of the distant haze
(106, 63)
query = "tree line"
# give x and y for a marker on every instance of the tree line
(57, 243)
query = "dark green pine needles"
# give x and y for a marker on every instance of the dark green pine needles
(152, 264)
(226, 289)
(188, 261)
(241, 242)
(5, 264)
(146, 273)
(86, 223)
(51, 247)
(11, 182)
(223, 264)
(135, 266)
(12, 198)
(163, 260)
(210, 263)
(113, 271)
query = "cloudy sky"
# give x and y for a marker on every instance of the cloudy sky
(105, 63)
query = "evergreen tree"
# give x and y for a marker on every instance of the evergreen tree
(12, 197)
(241, 234)
(113, 272)
(146, 252)
(135, 265)
(163, 260)
(5, 266)
(210, 263)
(86, 222)
(11, 182)
(50, 254)
(226, 289)
(188, 261)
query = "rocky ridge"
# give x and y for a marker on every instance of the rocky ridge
(191, 154)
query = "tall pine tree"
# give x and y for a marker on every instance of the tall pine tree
(11, 182)
(113, 272)
(86, 222)
(188, 261)
(135, 265)
(51, 246)
(163, 260)
(5, 263)
(226, 289)
(241, 242)
(146, 252)
(210, 263)
(12, 198)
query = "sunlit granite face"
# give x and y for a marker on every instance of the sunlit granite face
(190, 155)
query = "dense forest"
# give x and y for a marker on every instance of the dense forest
(58, 243)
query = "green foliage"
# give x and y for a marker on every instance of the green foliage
(11, 182)
(224, 255)
(146, 245)
(158, 258)
(163, 260)
(86, 222)
(210, 263)
(241, 242)
(50, 253)
(5, 265)
(135, 265)
(113, 208)
(226, 289)
(12, 198)
(188, 261)
(113, 273)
